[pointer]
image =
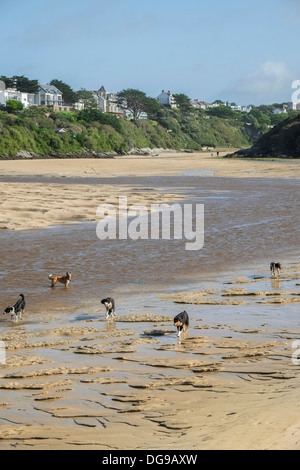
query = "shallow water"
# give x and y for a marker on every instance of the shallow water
(248, 223)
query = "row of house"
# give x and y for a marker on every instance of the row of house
(107, 102)
(167, 98)
(48, 95)
(51, 96)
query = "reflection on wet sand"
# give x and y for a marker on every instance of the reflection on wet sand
(73, 380)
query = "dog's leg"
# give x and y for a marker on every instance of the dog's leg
(278, 269)
(272, 268)
(111, 313)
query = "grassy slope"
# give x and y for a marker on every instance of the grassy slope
(33, 130)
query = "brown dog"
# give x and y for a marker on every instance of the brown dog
(63, 279)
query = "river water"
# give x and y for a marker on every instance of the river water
(248, 223)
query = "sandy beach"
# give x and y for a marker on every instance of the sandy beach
(38, 205)
(73, 380)
(167, 162)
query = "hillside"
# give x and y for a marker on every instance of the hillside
(37, 132)
(281, 141)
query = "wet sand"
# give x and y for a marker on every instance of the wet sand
(73, 380)
(77, 381)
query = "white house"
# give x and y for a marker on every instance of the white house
(166, 98)
(239, 107)
(79, 105)
(107, 102)
(128, 114)
(48, 95)
(199, 104)
(280, 111)
(212, 105)
(27, 99)
(203, 104)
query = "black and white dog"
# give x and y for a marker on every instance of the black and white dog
(275, 267)
(109, 304)
(17, 310)
(181, 321)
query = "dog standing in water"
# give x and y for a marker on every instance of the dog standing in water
(109, 304)
(17, 310)
(275, 267)
(181, 321)
(62, 279)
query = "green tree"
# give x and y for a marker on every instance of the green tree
(21, 83)
(152, 107)
(183, 102)
(8, 82)
(91, 115)
(25, 85)
(13, 106)
(222, 112)
(134, 100)
(87, 98)
(69, 95)
(262, 116)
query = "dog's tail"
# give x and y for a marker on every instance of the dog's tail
(50, 276)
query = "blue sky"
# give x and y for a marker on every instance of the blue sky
(237, 50)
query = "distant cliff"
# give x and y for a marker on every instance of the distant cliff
(281, 141)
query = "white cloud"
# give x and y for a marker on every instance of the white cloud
(269, 82)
